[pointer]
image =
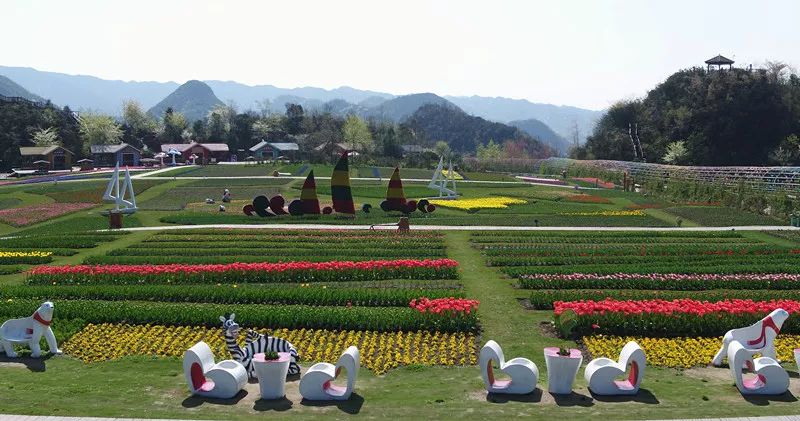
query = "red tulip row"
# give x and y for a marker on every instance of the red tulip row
(453, 306)
(247, 272)
(667, 318)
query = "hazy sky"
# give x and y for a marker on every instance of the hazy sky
(583, 53)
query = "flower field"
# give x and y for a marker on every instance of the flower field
(25, 257)
(399, 298)
(678, 317)
(238, 246)
(498, 202)
(683, 352)
(32, 214)
(676, 292)
(380, 351)
(635, 212)
(369, 270)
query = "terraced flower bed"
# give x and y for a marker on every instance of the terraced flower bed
(655, 286)
(392, 294)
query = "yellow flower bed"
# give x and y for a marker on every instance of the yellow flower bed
(380, 351)
(25, 254)
(637, 212)
(456, 176)
(499, 202)
(678, 352)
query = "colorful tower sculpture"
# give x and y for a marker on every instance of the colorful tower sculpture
(340, 187)
(395, 196)
(308, 196)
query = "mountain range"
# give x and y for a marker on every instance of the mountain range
(92, 93)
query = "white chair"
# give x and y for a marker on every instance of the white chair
(601, 373)
(756, 338)
(523, 372)
(770, 378)
(204, 378)
(316, 385)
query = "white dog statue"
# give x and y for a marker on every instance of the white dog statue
(758, 337)
(29, 331)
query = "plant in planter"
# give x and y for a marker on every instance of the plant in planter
(271, 368)
(563, 363)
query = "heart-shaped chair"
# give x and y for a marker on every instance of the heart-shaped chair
(770, 378)
(523, 372)
(601, 373)
(204, 378)
(316, 385)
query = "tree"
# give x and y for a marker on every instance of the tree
(442, 149)
(99, 129)
(137, 119)
(140, 128)
(490, 151)
(171, 130)
(219, 123)
(46, 137)
(676, 153)
(356, 134)
(294, 118)
(199, 130)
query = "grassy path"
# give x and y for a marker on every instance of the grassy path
(502, 317)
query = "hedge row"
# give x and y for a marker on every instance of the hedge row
(772, 264)
(227, 294)
(45, 241)
(330, 251)
(217, 243)
(477, 235)
(297, 232)
(384, 319)
(634, 249)
(678, 261)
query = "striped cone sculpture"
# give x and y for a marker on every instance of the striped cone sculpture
(308, 196)
(340, 187)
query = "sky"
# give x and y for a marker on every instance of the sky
(584, 53)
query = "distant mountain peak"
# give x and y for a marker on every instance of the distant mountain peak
(12, 89)
(194, 99)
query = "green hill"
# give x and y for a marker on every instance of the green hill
(194, 99)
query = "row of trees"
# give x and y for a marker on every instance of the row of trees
(700, 117)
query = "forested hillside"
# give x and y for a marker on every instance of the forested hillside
(464, 133)
(20, 121)
(727, 117)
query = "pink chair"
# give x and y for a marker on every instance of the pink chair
(204, 378)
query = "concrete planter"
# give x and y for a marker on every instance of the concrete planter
(272, 375)
(562, 369)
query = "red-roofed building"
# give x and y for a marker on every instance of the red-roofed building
(206, 153)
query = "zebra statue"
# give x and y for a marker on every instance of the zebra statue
(255, 343)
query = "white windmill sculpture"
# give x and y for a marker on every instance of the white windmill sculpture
(439, 181)
(116, 193)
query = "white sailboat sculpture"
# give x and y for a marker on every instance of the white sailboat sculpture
(115, 193)
(439, 181)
